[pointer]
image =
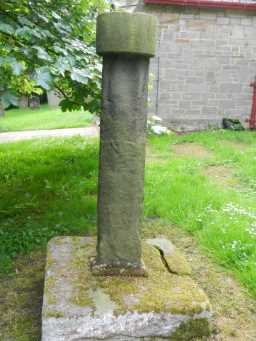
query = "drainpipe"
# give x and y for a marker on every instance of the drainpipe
(252, 119)
(160, 33)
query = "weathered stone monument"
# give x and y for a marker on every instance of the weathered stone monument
(126, 43)
(53, 98)
(123, 289)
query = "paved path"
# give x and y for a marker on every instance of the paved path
(31, 134)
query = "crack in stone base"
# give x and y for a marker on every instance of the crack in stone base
(165, 263)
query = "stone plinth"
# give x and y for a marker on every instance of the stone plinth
(80, 306)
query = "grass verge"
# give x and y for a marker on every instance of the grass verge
(43, 118)
(222, 218)
(47, 188)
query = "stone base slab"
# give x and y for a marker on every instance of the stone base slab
(79, 306)
(108, 270)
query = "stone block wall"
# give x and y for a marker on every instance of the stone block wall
(205, 63)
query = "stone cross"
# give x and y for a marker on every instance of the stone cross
(126, 42)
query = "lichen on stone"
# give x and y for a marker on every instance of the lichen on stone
(71, 284)
(173, 259)
(122, 32)
(161, 291)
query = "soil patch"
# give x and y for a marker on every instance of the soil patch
(240, 146)
(222, 174)
(192, 150)
(21, 296)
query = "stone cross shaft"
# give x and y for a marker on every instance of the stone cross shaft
(126, 42)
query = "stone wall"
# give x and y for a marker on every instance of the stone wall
(205, 63)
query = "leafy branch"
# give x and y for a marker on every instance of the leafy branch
(51, 45)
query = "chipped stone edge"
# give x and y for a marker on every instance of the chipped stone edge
(130, 326)
(109, 270)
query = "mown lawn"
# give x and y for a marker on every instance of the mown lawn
(49, 188)
(203, 183)
(43, 118)
(218, 207)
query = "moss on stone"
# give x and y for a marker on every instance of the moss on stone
(178, 264)
(173, 259)
(83, 280)
(49, 293)
(54, 314)
(160, 292)
(191, 329)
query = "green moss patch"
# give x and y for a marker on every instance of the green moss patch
(161, 291)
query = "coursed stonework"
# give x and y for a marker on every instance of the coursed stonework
(205, 63)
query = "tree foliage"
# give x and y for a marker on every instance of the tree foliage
(50, 44)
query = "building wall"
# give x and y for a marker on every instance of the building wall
(206, 60)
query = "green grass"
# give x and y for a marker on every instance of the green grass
(223, 218)
(42, 118)
(49, 188)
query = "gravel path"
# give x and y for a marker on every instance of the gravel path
(92, 131)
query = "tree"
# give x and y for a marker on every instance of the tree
(50, 44)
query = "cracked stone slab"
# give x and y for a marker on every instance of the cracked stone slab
(78, 306)
(173, 258)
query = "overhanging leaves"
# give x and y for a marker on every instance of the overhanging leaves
(44, 78)
(6, 28)
(80, 76)
(8, 98)
(51, 43)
